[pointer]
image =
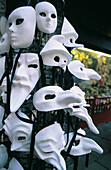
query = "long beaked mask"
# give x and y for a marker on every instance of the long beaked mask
(55, 54)
(55, 98)
(82, 113)
(85, 146)
(1, 117)
(70, 35)
(21, 27)
(5, 43)
(77, 90)
(46, 16)
(27, 75)
(49, 142)
(3, 155)
(78, 70)
(14, 164)
(19, 132)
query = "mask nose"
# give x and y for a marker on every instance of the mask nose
(48, 18)
(21, 73)
(11, 28)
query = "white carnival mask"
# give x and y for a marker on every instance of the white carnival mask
(82, 113)
(1, 117)
(26, 76)
(22, 23)
(70, 35)
(5, 43)
(3, 25)
(3, 156)
(19, 132)
(46, 16)
(55, 98)
(14, 164)
(49, 142)
(54, 53)
(2, 65)
(77, 90)
(78, 70)
(85, 146)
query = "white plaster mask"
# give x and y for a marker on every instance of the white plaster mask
(27, 75)
(3, 25)
(77, 69)
(21, 26)
(77, 90)
(46, 16)
(82, 113)
(3, 155)
(49, 142)
(1, 117)
(70, 35)
(55, 54)
(3, 90)
(55, 98)
(2, 66)
(5, 43)
(14, 164)
(19, 132)
(85, 146)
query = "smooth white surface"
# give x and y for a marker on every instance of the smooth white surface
(85, 146)
(14, 164)
(49, 142)
(19, 132)
(70, 35)
(78, 70)
(21, 26)
(53, 49)
(59, 99)
(46, 16)
(3, 155)
(5, 43)
(27, 75)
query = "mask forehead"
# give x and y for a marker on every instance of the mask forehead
(46, 16)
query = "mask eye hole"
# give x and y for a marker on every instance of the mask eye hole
(81, 69)
(2, 40)
(71, 40)
(50, 96)
(56, 58)
(53, 16)
(32, 65)
(21, 138)
(75, 106)
(42, 14)
(19, 21)
(9, 24)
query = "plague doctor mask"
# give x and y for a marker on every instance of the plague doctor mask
(3, 156)
(19, 132)
(82, 113)
(81, 73)
(21, 27)
(70, 35)
(27, 75)
(77, 90)
(54, 53)
(5, 43)
(46, 16)
(49, 142)
(14, 164)
(55, 98)
(85, 146)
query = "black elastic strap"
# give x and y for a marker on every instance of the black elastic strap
(87, 160)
